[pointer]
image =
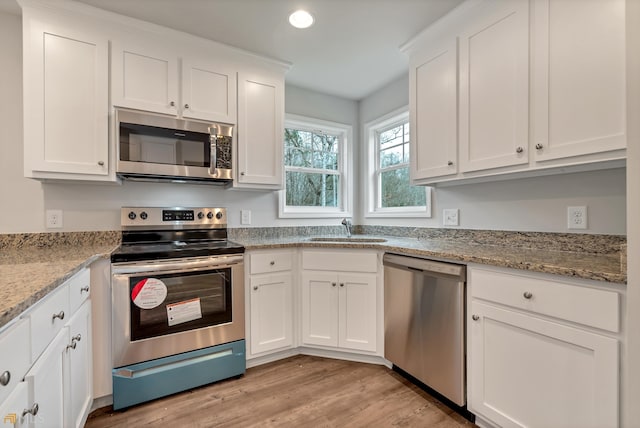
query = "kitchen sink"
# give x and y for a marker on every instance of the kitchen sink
(345, 239)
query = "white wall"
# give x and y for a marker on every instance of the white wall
(537, 204)
(532, 204)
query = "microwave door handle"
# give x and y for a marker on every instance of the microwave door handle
(213, 170)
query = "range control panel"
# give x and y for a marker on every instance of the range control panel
(154, 217)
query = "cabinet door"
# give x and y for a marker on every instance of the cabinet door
(494, 86)
(433, 111)
(320, 308)
(357, 312)
(579, 77)
(271, 312)
(47, 319)
(14, 364)
(66, 106)
(79, 396)
(12, 408)
(46, 383)
(528, 372)
(208, 91)
(144, 77)
(260, 131)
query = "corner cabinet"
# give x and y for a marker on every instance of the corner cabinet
(340, 300)
(66, 103)
(260, 131)
(541, 90)
(270, 300)
(541, 352)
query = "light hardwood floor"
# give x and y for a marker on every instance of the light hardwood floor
(300, 391)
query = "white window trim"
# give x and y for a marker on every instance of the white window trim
(345, 165)
(372, 189)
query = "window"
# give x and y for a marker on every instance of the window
(390, 193)
(316, 157)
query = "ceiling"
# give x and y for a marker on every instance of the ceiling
(350, 51)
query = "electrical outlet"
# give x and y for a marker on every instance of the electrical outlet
(54, 219)
(245, 216)
(450, 217)
(577, 217)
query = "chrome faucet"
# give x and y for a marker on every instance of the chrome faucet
(347, 223)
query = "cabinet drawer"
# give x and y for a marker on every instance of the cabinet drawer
(357, 261)
(16, 356)
(588, 306)
(271, 262)
(47, 319)
(79, 289)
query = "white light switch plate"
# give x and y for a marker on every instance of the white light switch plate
(450, 217)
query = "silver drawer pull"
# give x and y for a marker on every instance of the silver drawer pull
(5, 378)
(519, 150)
(527, 295)
(32, 411)
(475, 317)
(76, 338)
(333, 284)
(85, 289)
(272, 263)
(255, 287)
(58, 315)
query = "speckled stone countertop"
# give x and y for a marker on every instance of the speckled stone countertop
(32, 265)
(598, 256)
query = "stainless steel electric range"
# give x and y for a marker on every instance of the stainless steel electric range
(178, 303)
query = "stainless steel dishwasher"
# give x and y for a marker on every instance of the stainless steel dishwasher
(424, 332)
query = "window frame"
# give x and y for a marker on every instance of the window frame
(372, 168)
(345, 147)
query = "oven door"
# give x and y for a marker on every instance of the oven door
(167, 307)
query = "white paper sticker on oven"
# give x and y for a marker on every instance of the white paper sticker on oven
(149, 293)
(180, 312)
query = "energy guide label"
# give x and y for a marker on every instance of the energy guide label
(180, 312)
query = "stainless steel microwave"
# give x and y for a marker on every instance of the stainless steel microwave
(153, 147)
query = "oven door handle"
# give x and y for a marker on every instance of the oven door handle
(187, 265)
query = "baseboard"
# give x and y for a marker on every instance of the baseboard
(269, 358)
(101, 402)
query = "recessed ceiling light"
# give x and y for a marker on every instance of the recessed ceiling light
(301, 19)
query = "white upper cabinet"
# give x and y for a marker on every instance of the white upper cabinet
(579, 77)
(260, 132)
(433, 111)
(494, 86)
(208, 91)
(66, 104)
(144, 76)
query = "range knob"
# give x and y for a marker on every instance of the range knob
(218, 215)
(200, 215)
(209, 215)
(144, 215)
(132, 215)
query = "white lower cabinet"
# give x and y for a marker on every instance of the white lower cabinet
(15, 410)
(529, 370)
(271, 300)
(79, 394)
(340, 303)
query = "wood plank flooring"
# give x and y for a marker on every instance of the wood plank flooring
(301, 391)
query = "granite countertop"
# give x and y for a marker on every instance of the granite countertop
(605, 267)
(32, 265)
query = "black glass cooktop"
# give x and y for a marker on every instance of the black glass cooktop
(130, 252)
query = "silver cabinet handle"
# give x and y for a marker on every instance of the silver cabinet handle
(58, 315)
(172, 103)
(76, 338)
(5, 378)
(101, 163)
(342, 284)
(475, 317)
(32, 411)
(527, 295)
(272, 263)
(539, 146)
(333, 284)
(255, 287)
(242, 173)
(450, 163)
(519, 150)
(186, 106)
(84, 289)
